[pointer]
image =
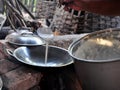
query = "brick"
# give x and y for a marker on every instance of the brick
(6, 66)
(22, 78)
(3, 53)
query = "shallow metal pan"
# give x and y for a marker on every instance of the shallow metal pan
(35, 56)
(24, 39)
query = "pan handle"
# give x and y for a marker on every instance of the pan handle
(10, 52)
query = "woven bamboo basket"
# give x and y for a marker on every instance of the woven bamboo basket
(74, 22)
(45, 9)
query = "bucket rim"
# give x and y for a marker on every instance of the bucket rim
(71, 46)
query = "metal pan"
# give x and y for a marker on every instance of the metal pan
(35, 56)
(24, 39)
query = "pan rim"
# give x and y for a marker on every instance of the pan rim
(44, 65)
